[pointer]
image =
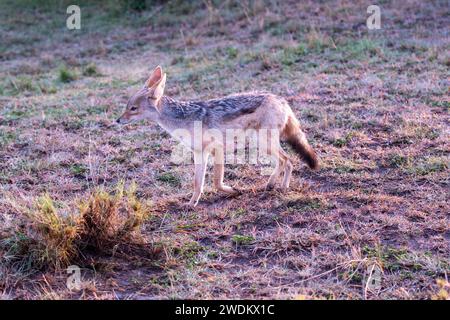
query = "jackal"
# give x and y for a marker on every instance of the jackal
(255, 111)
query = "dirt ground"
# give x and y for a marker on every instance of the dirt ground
(374, 105)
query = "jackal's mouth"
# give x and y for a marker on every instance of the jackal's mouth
(121, 121)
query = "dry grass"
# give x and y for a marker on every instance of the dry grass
(46, 238)
(374, 104)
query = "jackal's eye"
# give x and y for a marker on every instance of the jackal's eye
(133, 108)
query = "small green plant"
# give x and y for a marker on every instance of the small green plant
(169, 178)
(78, 170)
(291, 55)
(91, 70)
(6, 137)
(66, 75)
(189, 250)
(398, 160)
(111, 219)
(241, 240)
(343, 141)
(238, 212)
(303, 203)
(15, 114)
(232, 52)
(426, 132)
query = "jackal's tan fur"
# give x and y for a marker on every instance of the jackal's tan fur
(255, 111)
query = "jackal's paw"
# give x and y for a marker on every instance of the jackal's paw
(188, 205)
(191, 204)
(230, 190)
(238, 191)
(284, 189)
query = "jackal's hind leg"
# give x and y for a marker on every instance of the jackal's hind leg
(279, 164)
(287, 168)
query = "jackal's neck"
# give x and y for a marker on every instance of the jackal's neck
(169, 102)
(171, 114)
(174, 109)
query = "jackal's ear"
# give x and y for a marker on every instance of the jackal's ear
(154, 77)
(157, 90)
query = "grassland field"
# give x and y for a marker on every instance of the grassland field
(77, 189)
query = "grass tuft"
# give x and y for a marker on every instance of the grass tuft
(169, 178)
(66, 75)
(241, 240)
(91, 70)
(45, 239)
(111, 220)
(51, 238)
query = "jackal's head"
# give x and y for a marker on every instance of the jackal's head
(145, 104)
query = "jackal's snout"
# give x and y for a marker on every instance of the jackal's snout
(124, 118)
(119, 120)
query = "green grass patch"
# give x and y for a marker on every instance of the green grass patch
(292, 55)
(231, 52)
(303, 203)
(169, 178)
(24, 84)
(66, 75)
(91, 70)
(343, 141)
(404, 261)
(78, 170)
(241, 240)
(238, 213)
(6, 137)
(189, 252)
(428, 166)
(398, 161)
(360, 49)
(16, 114)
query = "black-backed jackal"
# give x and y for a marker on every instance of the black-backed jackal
(257, 112)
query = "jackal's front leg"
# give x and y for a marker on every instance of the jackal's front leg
(200, 164)
(219, 168)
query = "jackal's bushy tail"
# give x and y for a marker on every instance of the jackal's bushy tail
(297, 139)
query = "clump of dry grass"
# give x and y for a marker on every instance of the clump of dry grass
(108, 221)
(54, 235)
(48, 237)
(43, 238)
(444, 288)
